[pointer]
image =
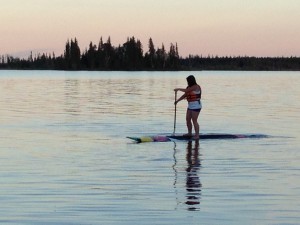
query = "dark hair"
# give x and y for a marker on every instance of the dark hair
(191, 80)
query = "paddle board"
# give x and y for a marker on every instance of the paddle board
(189, 138)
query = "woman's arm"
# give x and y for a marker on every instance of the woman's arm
(181, 98)
(186, 90)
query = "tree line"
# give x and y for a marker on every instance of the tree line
(130, 56)
(244, 63)
(103, 56)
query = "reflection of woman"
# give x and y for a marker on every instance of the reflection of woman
(193, 185)
(193, 95)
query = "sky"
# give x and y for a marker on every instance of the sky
(199, 27)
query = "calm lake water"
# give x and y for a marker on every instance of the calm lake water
(65, 159)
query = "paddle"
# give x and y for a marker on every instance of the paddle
(175, 113)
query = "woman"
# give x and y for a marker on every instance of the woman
(193, 95)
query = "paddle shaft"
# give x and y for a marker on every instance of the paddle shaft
(175, 113)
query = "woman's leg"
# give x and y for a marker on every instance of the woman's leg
(194, 117)
(189, 122)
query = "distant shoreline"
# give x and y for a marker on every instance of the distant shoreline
(184, 64)
(130, 57)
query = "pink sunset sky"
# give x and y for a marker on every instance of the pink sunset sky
(200, 27)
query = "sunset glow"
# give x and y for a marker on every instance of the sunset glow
(215, 27)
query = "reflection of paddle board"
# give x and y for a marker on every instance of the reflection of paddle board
(189, 138)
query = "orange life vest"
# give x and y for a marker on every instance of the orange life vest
(193, 96)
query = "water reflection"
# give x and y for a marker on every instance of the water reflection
(193, 184)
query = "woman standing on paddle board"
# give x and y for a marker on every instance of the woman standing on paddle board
(193, 95)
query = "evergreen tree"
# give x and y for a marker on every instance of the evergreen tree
(108, 54)
(75, 55)
(100, 55)
(161, 58)
(133, 54)
(171, 57)
(150, 56)
(67, 55)
(91, 56)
